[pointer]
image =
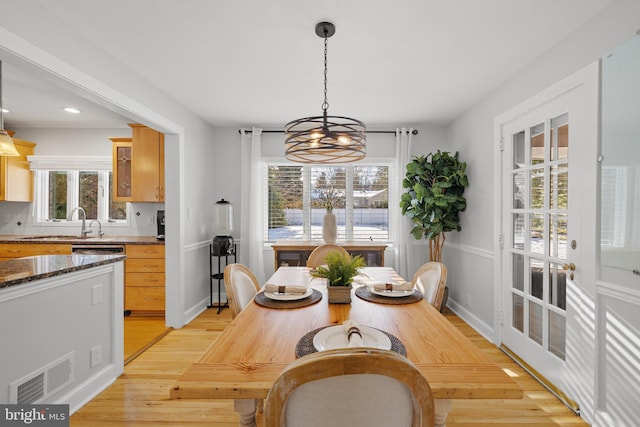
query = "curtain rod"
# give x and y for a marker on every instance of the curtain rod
(413, 132)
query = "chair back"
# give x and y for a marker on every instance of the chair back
(350, 387)
(319, 254)
(431, 279)
(241, 286)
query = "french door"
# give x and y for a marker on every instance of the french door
(543, 164)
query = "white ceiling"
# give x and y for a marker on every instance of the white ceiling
(245, 62)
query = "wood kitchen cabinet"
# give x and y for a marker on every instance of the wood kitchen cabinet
(16, 178)
(19, 250)
(144, 278)
(147, 171)
(121, 149)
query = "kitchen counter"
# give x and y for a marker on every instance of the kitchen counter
(77, 240)
(23, 270)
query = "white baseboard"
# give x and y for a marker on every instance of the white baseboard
(482, 328)
(84, 392)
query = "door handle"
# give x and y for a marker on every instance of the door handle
(571, 266)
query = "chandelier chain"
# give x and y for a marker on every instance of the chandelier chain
(325, 104)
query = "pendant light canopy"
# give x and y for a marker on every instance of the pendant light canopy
(6, 143)
(325, 139)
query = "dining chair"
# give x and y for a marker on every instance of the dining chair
(350, 387)
(318, 255)
(431, 279)
(241, 286)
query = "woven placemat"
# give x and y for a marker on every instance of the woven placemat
(305, 344)
(265, 301)
(364, 293)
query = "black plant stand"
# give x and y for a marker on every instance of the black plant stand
(219, 275)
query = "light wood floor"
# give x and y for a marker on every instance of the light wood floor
(140, 332)
(140, 397)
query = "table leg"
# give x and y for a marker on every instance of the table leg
(443, 407)
(246, 409)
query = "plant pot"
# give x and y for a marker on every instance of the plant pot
(339, 294)
(329, 228)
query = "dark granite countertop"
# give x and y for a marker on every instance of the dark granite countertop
(77, 240)
(23, 270)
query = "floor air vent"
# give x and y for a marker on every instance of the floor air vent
(38, 385)
(31, 390)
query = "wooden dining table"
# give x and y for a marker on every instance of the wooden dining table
(245, 360)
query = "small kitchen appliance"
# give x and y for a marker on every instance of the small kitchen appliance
(223, 227)
(160, 222)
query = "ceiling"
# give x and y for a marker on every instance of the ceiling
(253, 62)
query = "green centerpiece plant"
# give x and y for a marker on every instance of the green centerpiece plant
(340, 269)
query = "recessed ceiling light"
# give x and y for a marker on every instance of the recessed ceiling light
(4, 110)
(71, 110)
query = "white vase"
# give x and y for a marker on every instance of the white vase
(329, 228)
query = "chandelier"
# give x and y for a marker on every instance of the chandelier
(325, 139)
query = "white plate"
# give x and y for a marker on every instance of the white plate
(393, 294)
(336, 337)
(288, 297)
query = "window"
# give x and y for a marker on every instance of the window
(64, 183)
(298, 197)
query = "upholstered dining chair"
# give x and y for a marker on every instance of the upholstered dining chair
(318, 255)
(241, 286)
(431, 279)
(350, 387)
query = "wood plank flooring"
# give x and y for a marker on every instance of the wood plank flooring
(140, 397)
(141, 332)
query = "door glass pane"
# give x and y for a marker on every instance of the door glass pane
(518, 312)
(518, 231)
(535, 322)
(559, 193)
(57, 195)
(518, 272)
(557, 325)
(536, 268)
(88, 193)
(537, 188)
(560, 137)
(558, 235)
(537, 144)
(518, 150)
(557, 286)
(519, 194)
(536, 233)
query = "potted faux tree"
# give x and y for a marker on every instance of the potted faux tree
(339, 272)
(435, 186)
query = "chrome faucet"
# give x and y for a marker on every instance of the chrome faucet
(83, 230)
(100, 232)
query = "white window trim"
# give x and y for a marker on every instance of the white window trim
(101, 164)
(394, 199)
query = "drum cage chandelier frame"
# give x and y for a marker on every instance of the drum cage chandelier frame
(325, 139)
